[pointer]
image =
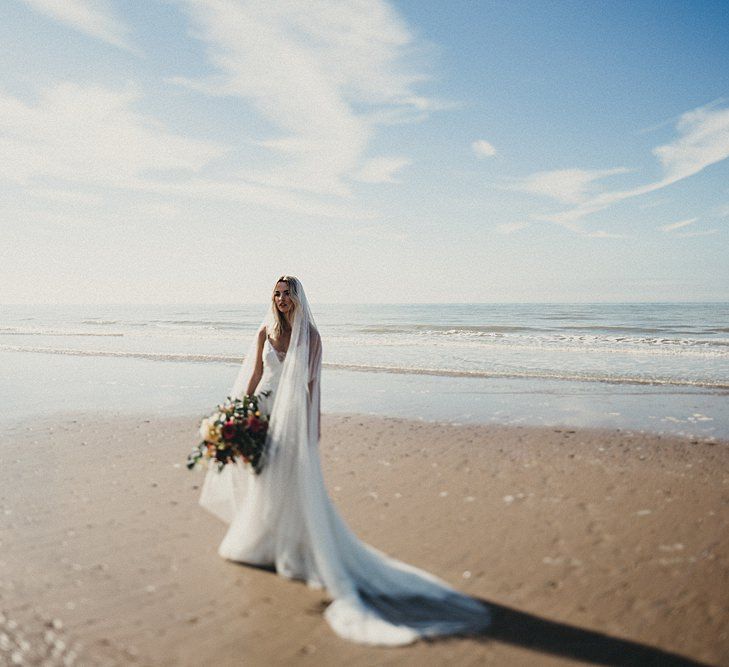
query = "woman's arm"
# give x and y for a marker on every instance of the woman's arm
(314, 393)
(258, 369)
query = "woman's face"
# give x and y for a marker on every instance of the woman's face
(282, 298)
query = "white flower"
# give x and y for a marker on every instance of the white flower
(208, 430)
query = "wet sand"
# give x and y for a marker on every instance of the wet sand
(592, 546)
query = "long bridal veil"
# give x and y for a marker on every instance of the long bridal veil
(284, 517)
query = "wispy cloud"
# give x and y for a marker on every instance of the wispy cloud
(483, 148)
(381, 169)
(65, 196)
(681, 224)
(677, 225)
(323, 74)
(708, 232)
(721, 211)
(378, 232)
(510, 227)
(602, 234)
(91, 136)
(91, 17)
(703, 140)
(570, 186)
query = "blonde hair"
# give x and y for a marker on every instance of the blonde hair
(279, 321)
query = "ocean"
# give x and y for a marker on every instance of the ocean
(661, 367)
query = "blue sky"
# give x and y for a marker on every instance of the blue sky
(191, 150)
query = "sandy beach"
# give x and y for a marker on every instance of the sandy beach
(592, 547)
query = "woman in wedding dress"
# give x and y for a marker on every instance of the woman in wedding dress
(284, 517)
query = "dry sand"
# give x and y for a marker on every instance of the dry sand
(594, 547)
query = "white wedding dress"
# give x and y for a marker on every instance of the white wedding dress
(284, 518)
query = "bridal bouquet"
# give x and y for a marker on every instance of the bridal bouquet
(236, 429)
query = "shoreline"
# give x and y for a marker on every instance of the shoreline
(17, 424)
(586, 542)
(235, 360)
(140, 385)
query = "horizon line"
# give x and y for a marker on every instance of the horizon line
(364, 303)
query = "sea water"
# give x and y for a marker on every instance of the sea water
(660, 366)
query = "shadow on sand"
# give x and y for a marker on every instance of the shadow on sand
(531, 632)
(528, 631)
(559, 639)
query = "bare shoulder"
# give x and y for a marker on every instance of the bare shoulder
(262, 333)
(314, 334)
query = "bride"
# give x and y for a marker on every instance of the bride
(284, 517)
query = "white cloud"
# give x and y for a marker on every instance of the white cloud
(381, 169)
(677, 225)
(66, 196)
(323, 74)
(511, 227)
(566, 185)
(703, 141)
(721, 211)
(602, 234)
(672, 227)
(483, 148)
(653, 203)
(377, 232)
(90, 134)
(236, 190)
(708, 232)
(429, 103)
(92, 17)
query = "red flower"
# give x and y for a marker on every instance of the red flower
(254, 424)
(228, 430)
